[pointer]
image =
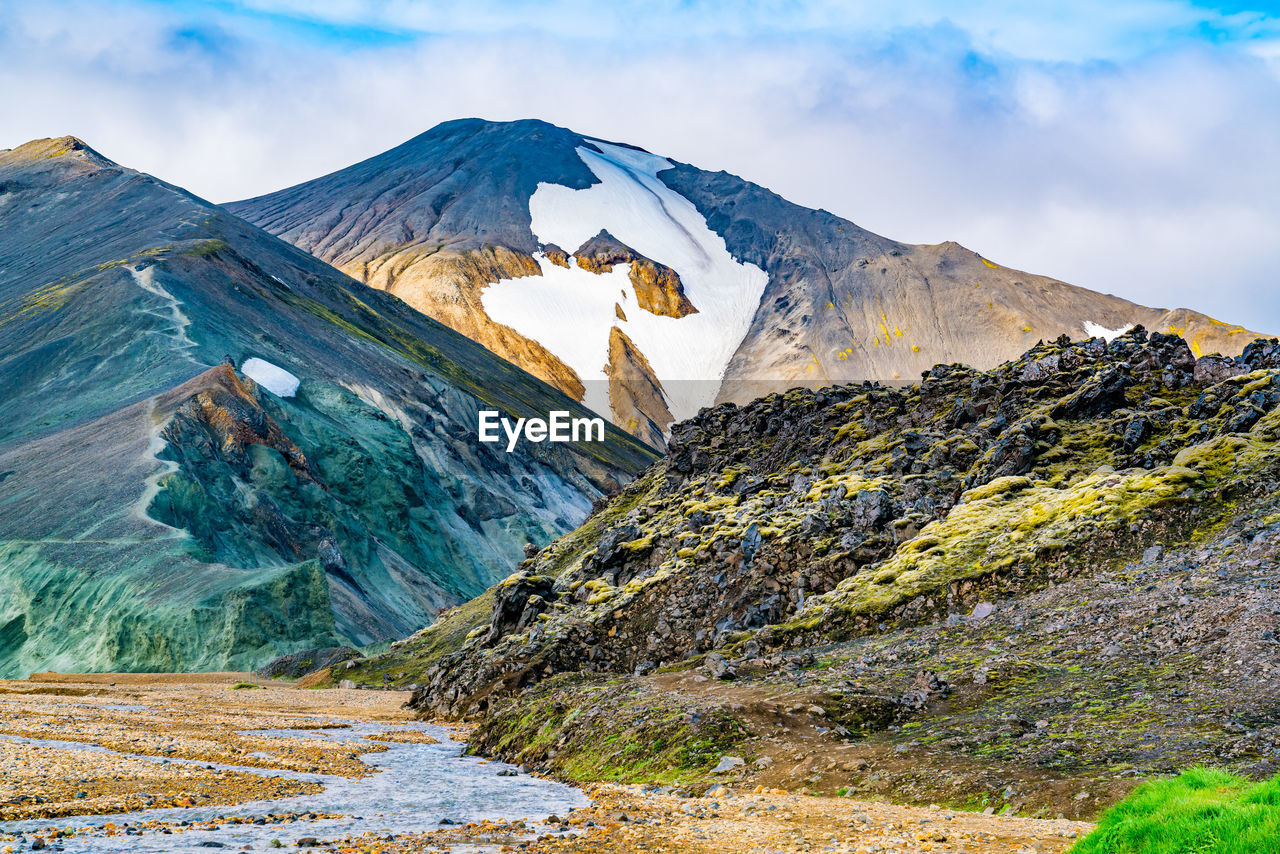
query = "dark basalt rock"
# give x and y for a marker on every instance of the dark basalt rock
(518, 602)
(299, 664)
(1261, 353)
(761, 508)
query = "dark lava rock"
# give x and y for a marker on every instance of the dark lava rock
(299, 664)
(517, 603)
(786, 524)
(1214, 369)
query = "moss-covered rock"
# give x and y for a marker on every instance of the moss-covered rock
(814, 516)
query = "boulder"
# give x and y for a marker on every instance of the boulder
(1214, 369)
(298, 664)
(728, 763)
(718, 668)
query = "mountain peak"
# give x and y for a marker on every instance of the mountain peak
(449, 216)
(55, 147)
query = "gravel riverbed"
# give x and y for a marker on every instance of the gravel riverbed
(138, 763)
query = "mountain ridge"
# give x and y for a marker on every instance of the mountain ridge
(450, 221)
(189, 516)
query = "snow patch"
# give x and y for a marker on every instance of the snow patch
(570, 311)
(273, 378)
(1097, 330)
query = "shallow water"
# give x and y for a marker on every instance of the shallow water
(418, 785)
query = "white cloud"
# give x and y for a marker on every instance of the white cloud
(1147, 172)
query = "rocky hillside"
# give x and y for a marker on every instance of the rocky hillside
(216, 448)
(1033, 577)
(648, 288)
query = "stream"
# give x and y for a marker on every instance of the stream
(416, 787)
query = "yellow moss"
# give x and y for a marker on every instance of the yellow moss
(848, 429)
(1234, 453)
(643, 544)
(730, 476)
(1014, 519)
(852, 402)
(1255, 381)
(711, 505)
(989, 264)
(852, 483)
(662, 573)
(999, 486)
(50, 297)
(602, 591)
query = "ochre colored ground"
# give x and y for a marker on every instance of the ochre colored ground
(203, 716)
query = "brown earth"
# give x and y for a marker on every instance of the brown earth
(629, 819)
(198, 716)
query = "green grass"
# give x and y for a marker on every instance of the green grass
(1200, 812)
(240, 686)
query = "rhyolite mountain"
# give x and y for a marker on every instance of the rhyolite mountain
(649, 288)
(216, 448)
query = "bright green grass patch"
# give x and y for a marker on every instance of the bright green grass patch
(1200, 812)
(241, 686)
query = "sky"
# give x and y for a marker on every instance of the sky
(1129, 146)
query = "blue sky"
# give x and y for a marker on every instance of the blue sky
(1127, 146)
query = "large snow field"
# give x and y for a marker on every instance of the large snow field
(570, 311)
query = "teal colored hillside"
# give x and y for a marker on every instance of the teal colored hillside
(161, 510)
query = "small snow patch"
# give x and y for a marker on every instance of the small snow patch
(273, 378)
(1097, 330)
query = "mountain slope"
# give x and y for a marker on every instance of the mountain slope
(1050, 578)
(217, 448)
(725, 289)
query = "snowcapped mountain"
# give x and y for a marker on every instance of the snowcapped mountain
(217, 448)
(648, 289)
